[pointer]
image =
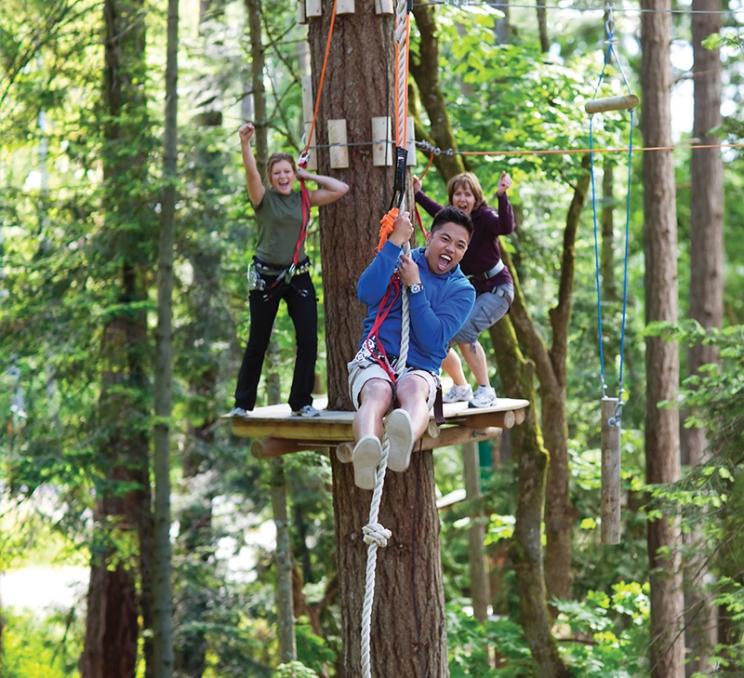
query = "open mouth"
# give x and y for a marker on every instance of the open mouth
(444, 262)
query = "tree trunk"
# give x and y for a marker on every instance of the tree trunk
(110, 648)
(706, 301)
(517, 377)
(662, 360)
(479, 592)
(163, 599)
(430, 92)
(408, 631)
(210, 324)
(542, 26)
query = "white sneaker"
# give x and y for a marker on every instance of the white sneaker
(365, 457)
(484, 396)
(458, 394)
(239, 412)
(399, 433)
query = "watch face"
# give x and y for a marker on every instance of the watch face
(415, 288)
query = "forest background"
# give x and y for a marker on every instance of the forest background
(85, 202)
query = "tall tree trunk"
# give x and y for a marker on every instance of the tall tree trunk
(662, 359)
(517, 377)
(408, 630)
(706, 300)
(479, 592)
(163, 599)
(542, 26)
(430, 92)
(502, 28)
(111, 625)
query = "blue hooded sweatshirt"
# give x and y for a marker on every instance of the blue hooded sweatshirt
(436, 313)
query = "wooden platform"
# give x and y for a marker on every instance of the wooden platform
(275, 431)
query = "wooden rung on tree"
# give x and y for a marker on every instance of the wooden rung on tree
(610, 511)
(382, 145)
(337, 135)
(345, 7)
(384, 6)
(621, 103)
(313, 8)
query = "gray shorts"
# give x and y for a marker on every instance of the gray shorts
(488, 309)
(360, 372)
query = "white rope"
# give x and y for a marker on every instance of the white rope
(375, 534)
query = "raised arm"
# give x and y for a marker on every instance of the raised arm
(506, 222)
(431, 207)
(253, 181)
(330, 189)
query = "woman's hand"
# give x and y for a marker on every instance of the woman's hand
(416, 184)
(505, 183)
(303, 174)
(246, 132)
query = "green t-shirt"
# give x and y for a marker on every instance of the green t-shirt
(279, 220)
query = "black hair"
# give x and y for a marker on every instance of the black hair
(455, 216)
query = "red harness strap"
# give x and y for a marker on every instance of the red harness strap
(375, 348)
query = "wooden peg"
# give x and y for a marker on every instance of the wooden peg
(384, 6)
(382, 145)
(345, 7)
(313, 8)
(621, 103)
(307, 98)
(610, 511)
(337, 135)
(301, 17)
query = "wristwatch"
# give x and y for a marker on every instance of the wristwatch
(415, 288)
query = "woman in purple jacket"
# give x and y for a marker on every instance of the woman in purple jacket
(493, 283)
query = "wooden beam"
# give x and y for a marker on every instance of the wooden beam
(499, 419)
(621, 103)
(267, 448)
(610, 526)
(337, 135)
(382, 146)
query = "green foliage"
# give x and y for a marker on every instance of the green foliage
(40, 648)
(472, 646)
(608, 632)
(294, 669)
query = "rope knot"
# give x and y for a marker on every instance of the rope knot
(376, 533)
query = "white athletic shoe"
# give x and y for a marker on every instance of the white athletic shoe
(458, 394)
(400, 437)
(239, 412)
(365, 458)
(484, 396)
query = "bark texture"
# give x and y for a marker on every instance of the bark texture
(113, 608)
(408, 631)
(662, 359)
(706, 302)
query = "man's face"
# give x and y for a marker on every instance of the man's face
(446, 247)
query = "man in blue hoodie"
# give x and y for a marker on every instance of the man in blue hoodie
(440, 299)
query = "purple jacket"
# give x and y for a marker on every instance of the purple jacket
(483, 252)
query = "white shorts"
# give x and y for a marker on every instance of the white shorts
(360, 372)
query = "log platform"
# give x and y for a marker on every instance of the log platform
(274, 431)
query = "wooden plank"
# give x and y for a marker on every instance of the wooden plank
(610, 526)
(345, 7)
(337, 135)
(384, 6)
(621, 103)
(312, 163)
(410, 142)
(313, 8)
(301, 17)
(382, 146)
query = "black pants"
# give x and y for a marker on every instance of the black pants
(303, 310)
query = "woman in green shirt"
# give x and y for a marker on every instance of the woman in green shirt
(281, 270)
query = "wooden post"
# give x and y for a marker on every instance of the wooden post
(382, 147)
(610, 474)
(476, 533)
(337, 135)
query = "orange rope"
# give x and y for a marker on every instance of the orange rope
(427, 168)
(572, 151)
(322, 78)
(386, 226)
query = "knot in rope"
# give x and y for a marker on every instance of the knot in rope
(376, 534)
